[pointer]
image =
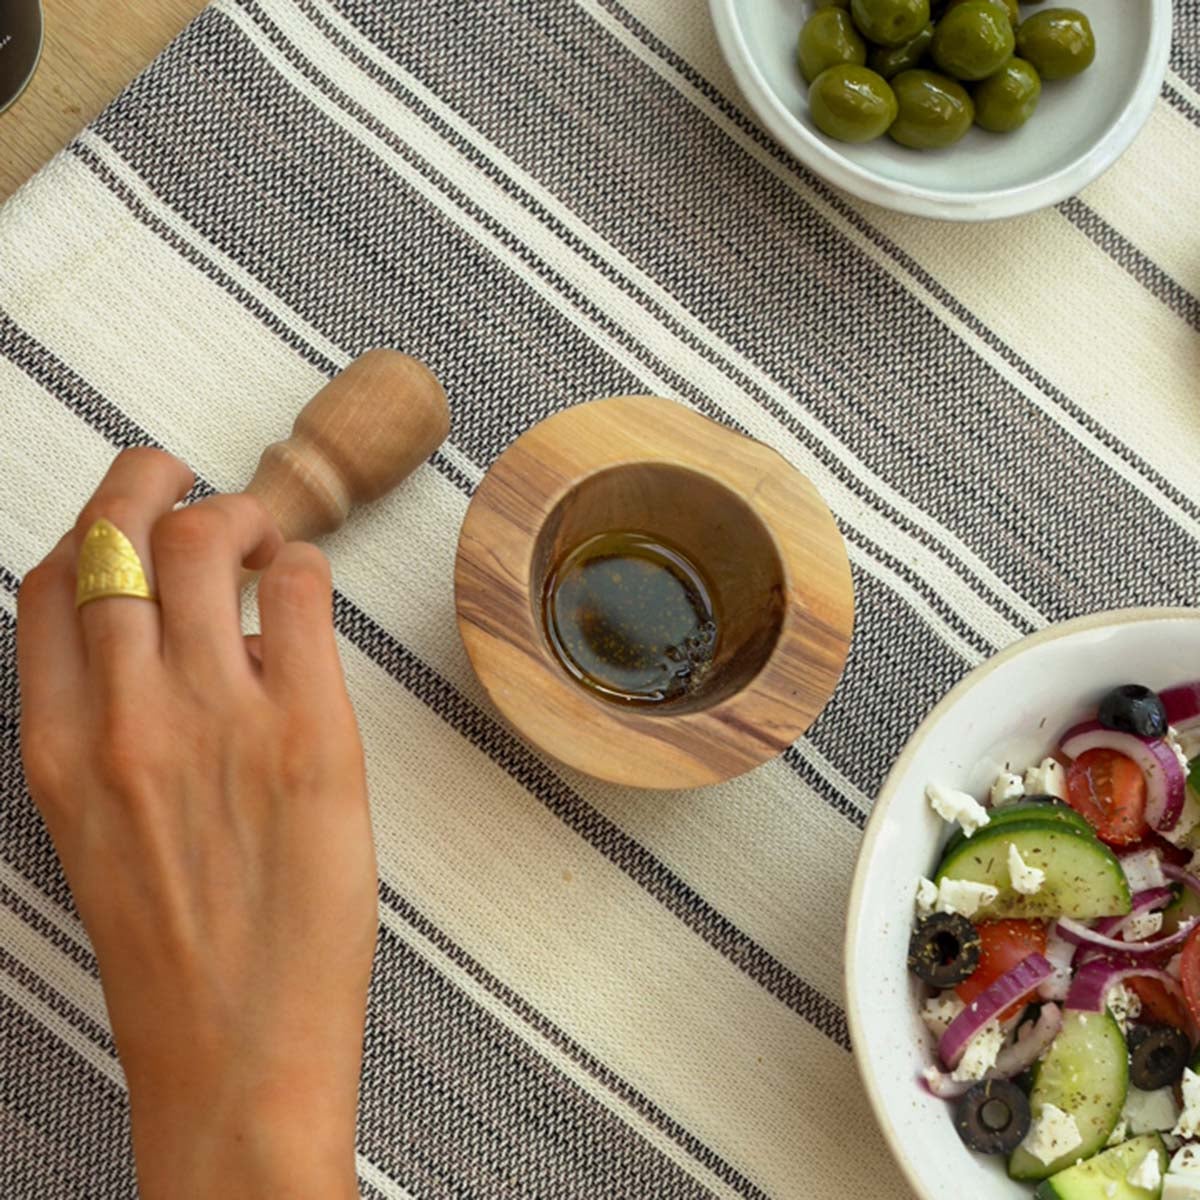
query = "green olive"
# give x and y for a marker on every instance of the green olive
(891, 60)
(829, 38)
(890, 22)
(1058, 41)
(1010, 6)
(973, 40)
(934, 110)
(820, 4)
(851, 103)
(1006, 100)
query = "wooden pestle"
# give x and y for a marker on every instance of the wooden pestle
(367, 429)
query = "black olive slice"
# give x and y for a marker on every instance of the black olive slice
(944, 949)
(993, 1117)
(1132, 708)
(1157, 1055)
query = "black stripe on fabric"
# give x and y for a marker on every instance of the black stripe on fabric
(910, 265)
(1185, 45)
(64, 1126)
(485, 1113)
(478, 727)
(601, 320)
(79, 954)
(58, 1003)
(9, 582)
(1127, 256)
(1181, 103)
(562, 1041)
(788, 419)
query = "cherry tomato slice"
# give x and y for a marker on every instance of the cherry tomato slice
(1003, 944)
(1159, 1006)
(1109, 790)
(1189, 974)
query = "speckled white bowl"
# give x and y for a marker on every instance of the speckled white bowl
(1081, 128)
(1010, 709)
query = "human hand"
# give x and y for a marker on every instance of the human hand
(207, 798)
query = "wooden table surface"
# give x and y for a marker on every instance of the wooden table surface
(92, 49)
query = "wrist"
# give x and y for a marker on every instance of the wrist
(285, 1142)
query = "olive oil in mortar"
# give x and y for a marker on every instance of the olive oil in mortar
(631, 618)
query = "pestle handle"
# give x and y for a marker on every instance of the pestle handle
(360, 435)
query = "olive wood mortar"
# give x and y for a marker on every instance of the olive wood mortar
(754, 526)
(367, 429)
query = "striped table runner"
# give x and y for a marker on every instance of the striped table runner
(580, 992)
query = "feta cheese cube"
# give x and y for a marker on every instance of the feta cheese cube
(1047, 779)
(980, 1055)
(1123, 1005)
(1172, 740)
(1061, 954)
(1181, 1187)
(1143, 870)
(1189, 818)
(1147, 1174)
(927, 894)
(964, 896)
(1110, 1189)
(1174, 966)
(1149, 1112)
(1025, 879)
(1186, 1161)
(938, 1011)
(1052, 1135)
(1142, 927)
(1007, 787)
(957, 806)
(1119, 1134)
(1188, 1125)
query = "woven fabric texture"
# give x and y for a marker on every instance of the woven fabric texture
(581, 992)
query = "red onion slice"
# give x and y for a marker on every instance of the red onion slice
(1143, 902)
(1093, 980)
(1182, 704)
(1165, 780)
(1081, 935)
(1012, 986)
(1033, 1039)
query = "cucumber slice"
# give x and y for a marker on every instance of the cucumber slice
(1185, 907)
(1086, 1074)
(1083, 877)
(1095, 1179)
(1026, 810)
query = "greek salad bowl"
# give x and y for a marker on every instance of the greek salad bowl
(1042, 799)
(1081, 126)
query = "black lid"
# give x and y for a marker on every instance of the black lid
(20, 46)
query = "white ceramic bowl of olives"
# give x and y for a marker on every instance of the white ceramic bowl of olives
(1068, 133)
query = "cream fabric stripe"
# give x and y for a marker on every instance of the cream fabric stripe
(66, 923)
(666, 346)
(1152, 206)
(209, 418)
(324, 55)
(62, 1029)
(368, 1172)
(969, 260)
(562, 1062)
(52, 965)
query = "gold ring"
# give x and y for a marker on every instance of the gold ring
(109, 566)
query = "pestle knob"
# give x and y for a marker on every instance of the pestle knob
(359, 436)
